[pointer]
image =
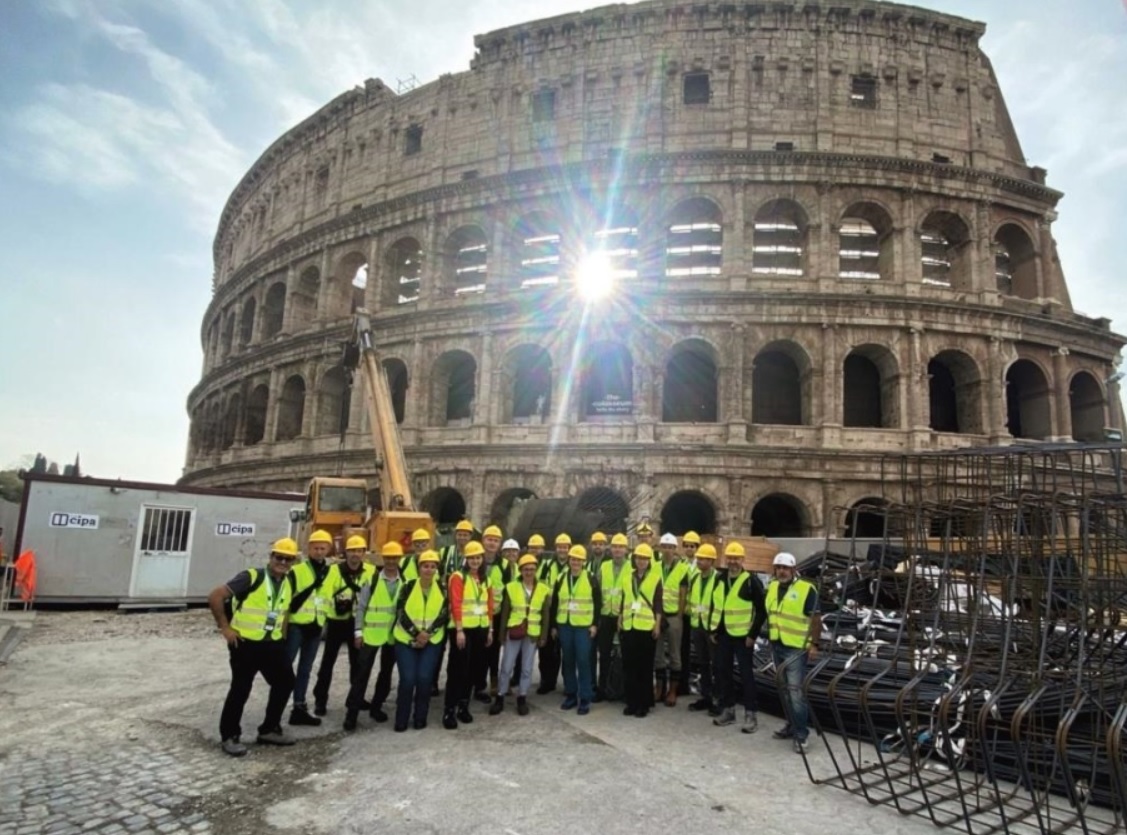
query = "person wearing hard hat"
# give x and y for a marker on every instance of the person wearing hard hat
(525, 613)
(596, 551)
(610, 574)
(420, 542)
(341, 588)
(794, 630)
(421, 618)
(452, 554)
(504, 572)
(471, 615)
(535, 547)
(738, 602)
(254, 627)
(639, 627)
(372, 623)
(575, 602)
(550, 572)
(494, 573)
(690, 541)
(701, 590)
(307, 620)
(674, 592)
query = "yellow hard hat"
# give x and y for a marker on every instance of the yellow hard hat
(563, 539)
(356, 543)
(527, 559)
(598, 536)
(421, 535)
(619, 539)
(321, 536)
(707, 551)
(391, 548)
(474, 549)
(644, 528)
(428, 556)
(577, 551)
(644, 550)
(284, 546)
(732, 549)
(492, 530)
(464, 525)
(691, 537)
(536, 541)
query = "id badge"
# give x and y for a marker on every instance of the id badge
(636, 606)
(271, 622)
(479, 610)
(572, 606)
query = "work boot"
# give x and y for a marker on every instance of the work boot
(350, 718)
(274, 736)
(300, 716)
(728, 717)
(751, 722)
(499, 705)
(233, 748)
(522, 706)
(377, 714)
(671, 694)
(448, 720)
(659, 686)
(464, 715)
(785, 732)
(320, 708)
(700, 704)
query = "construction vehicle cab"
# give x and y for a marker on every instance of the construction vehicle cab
(336, 505)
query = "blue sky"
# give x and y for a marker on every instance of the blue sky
(126, 123)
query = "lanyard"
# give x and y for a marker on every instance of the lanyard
(273, 592)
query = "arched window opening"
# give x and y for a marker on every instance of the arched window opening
(617, 241)
(689, 393)
(334, 402)
(1015, 263)
(274, 310)
(778, 244)
(954, 393)
(942, 397)
(869, 384)
(779, 515)
(246, 325)
(507, 508)
(228, 333)
(943, 243)
(776, 389)
(530, 369)
(1087, 407)
(291, 409)
(694, 240)
(688, 510)
(608, 506)
(445, 505)
(865, 243)
(305, 296)
(540, 241)
(214, 427)
(454, 389)
(231, 421)
(1028, 412)
(867, 519)
(359, 287)
(254, 428)
(405, 268)
(468, 253)
(607, 392)
(396, 371)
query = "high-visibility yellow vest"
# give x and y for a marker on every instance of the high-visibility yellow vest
(379, 617)
(550, 572)
(335, 586)
(577, 604)
(423, 610)
(499, 575)
(637, 603)
(700, 601)
(314, 607)
(671, 579)
(409, 567)
(787, 620)
(475, 602)
(737, 611)
(610, 583)
(261, 615)
(522, 605)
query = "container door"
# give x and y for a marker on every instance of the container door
(164, 550)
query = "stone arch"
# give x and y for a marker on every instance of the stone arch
(694, 239)
(334, 396)
(453, 389)
(870, 388)
(347, 285)
(539, 240)
(397, 383)
(445, 505)
(214, 426)
(780, 515)
(246, 323)
(779, 238)
(274, 310)
(254, 426)
(1015, 262)
(1087, 407)
(291, 409)
(865, 242)
(611, 506)
(954, 393)
(402, 279)
(866, 519)
(945, 250)
(527, 392)
(780, 385)
(607, 388)
(228, 332)
(690, 386)
(688, 510)
(506, 508)
(305, 296)
(1028, 407)
(466, 262)
(231, 421)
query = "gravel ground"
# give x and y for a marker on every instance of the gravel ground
(82, 627)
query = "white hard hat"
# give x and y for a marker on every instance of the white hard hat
(667, 539)
(510, 543)
(784, 559)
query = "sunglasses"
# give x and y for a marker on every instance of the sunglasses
(283, 560)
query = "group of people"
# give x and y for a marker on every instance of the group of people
(491, 608)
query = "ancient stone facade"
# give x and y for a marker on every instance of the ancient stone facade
(825, 242)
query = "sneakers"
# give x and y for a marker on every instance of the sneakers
(785, 732)
(522, 706)
(751, 722)
(464, 715)
(727, 717)
(800, 746)
(274, 736)
(377, 715)
(584, 708)
(569, 702)
(300, 716)
(233, 748)
(448, 720)
(350, 720)
(700, 704)
(499, 705)
(320, 708)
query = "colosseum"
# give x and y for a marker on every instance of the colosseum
(819, 237)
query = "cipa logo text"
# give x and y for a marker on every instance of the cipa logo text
(85, 521)
(234, 529)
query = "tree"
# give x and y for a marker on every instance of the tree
(11, 486)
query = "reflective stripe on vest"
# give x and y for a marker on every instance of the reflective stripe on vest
(637, 607)
(335, 586)
(267, 604)
(611, 585)
(422, 612)
(737, 611)
(475, 603)
(313, 607)
(549, 573)
(787, 618)
(577, 605)
(380, 614)
(700, 600)
(521, 607)
(671, 585)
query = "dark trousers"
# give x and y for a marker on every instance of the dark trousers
(362, 673)
(416, 678)
(638, 646)
(438, 664)
(493, 659)
(686, 653)
(576, 651)
(608, 626)
(302, 640)
(465, 666)
(337, 633)
(550, 662)
(705, 652)
(729, 653)
(248, 658)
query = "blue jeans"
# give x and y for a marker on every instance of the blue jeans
(302, 640)
(416, 680)
(575, 646)
(791, 663)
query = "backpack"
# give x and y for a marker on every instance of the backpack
(256, 579)
(615, 688)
